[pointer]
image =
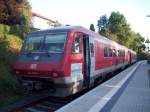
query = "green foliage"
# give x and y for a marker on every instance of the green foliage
(15, 16)
(26, 18)
(14, 29)
(116, 28)
(92, 27)
(9, 87)
(16, 13)
(11, 11)
(4, 29)
(117, 23)
(18, 30)
(142, 56)
(136, 42)
(103, 26)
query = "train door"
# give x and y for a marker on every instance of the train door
(89, 60)
(92, 59)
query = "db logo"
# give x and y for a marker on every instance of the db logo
(33, 66)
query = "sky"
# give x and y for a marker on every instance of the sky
(85, 12)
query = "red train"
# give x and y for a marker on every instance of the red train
(68, 59)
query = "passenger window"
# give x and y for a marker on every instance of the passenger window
(114, 52)
(110, 52)
(118, 54)
(77, 45)
(106, 52)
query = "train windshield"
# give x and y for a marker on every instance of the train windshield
(52, 43)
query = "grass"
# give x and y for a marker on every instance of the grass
(10, 90)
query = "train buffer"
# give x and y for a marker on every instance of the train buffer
(129, 91)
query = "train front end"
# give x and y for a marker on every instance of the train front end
(40, 63)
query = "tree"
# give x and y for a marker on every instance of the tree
(92, 27)
(103, 26)
(11, 11)
(16, 12)
(25, 17)
(137, 43)
(116, 28)
(118, 25)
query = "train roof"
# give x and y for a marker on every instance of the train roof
(67, 28)
(79, 29)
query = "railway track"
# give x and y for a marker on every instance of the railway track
(39, 102)
(42, 102)
(49, 104)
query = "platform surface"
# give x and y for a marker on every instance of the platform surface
(136, 95)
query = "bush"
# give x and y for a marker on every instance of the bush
(9, 46)
(18, 30)
(142, 56)
(9, 87)
(4, 29)
(15, 30)
(10, 90)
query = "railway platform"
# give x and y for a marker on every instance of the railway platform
(129, 91)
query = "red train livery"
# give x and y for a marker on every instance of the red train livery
(68, 59)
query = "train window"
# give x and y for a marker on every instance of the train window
(123, 53)
(92, 49)
(54, 43)
(33, 43)
(110, 52)
(77, 45)
(114, 52)
(119, 53)
(105, 52)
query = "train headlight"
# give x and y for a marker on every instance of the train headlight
(54, 74)
(17, 72)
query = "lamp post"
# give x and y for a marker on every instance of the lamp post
(147, 41)
(148, 16)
